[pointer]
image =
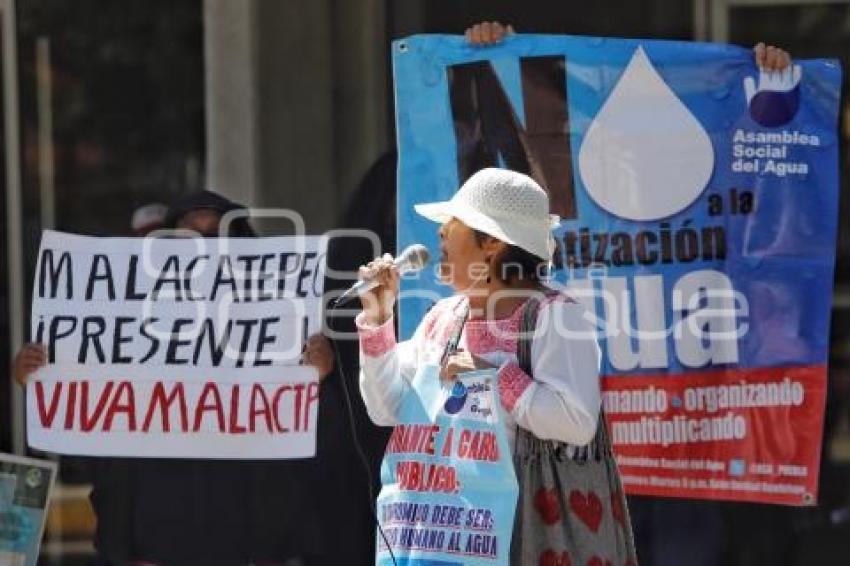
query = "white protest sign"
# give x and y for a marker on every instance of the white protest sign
(176, 347)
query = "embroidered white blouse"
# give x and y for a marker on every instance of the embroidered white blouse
(561, 402)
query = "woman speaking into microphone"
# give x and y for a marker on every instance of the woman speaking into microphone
(496, 245)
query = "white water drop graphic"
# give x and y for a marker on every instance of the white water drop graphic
(645, 156)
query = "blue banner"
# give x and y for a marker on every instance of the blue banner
(698, 197)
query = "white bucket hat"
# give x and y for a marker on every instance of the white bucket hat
(504, 204)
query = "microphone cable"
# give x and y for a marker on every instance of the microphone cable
(361, 453)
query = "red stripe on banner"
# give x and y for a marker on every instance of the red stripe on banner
(735, 434)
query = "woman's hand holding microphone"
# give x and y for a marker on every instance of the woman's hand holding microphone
(378, 302)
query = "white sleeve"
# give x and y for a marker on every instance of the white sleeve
(386, 369)
(562, 401)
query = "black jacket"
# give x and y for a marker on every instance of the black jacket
(211, 512)
(206, 512)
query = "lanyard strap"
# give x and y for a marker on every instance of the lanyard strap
(454, 339)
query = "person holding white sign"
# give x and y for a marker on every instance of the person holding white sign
(155, 511)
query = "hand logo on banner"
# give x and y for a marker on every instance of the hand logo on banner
(776, 99)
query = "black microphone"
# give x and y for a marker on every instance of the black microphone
(413, 258)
